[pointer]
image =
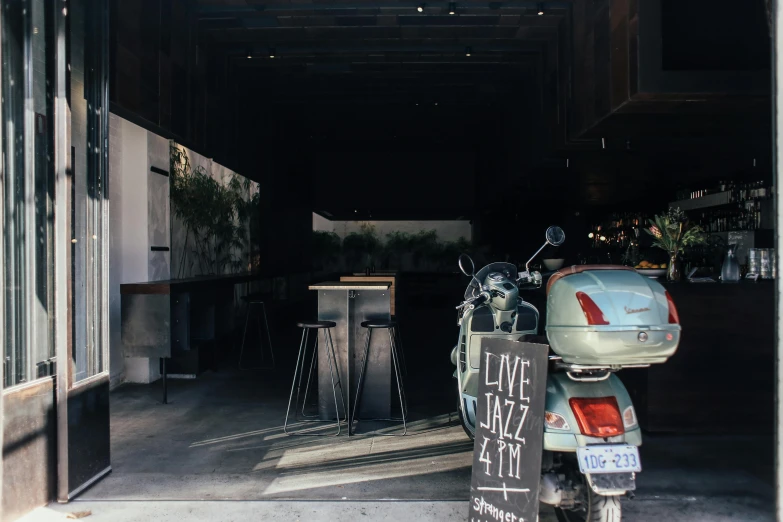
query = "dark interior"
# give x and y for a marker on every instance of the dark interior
(514, 115)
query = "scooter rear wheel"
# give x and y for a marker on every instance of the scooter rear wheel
(599, 509)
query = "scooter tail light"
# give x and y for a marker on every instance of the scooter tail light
(593, 314)
(598, 417)
(629, 418)
(674, 317)
(556, 421)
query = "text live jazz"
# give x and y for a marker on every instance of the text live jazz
(506, 412)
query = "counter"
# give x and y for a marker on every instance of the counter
(179, 319)
(722, 378)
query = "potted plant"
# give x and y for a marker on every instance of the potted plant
(674, 233)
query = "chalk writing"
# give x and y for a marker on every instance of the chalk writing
(509, 431)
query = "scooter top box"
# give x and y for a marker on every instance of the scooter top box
(610, 315)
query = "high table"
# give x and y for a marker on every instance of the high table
(348, 304)
(379, 277)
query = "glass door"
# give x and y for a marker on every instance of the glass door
(82, 359)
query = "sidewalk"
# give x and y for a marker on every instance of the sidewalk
(242, 511)
(673, 508)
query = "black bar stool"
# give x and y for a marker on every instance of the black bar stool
(326, 327)
(258, 303)
(400, 346)
(390, 327)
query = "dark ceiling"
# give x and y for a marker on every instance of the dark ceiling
(563, 103)
(381, 52)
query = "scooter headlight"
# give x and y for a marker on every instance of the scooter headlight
(629, 418)
(556, 421)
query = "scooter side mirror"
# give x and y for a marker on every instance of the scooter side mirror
(464, 262)
(555, 236)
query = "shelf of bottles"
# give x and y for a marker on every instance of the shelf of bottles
(736, 191)
(728, 206)
(619, 230)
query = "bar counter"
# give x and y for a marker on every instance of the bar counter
(179, 319)
(721, 380)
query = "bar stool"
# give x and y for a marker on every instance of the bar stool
(326, 327)
(258, 303)
(390, 327)
(401, 347)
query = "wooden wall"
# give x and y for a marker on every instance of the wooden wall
(157, 70)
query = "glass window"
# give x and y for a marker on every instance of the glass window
(89, 223)
(27, 184)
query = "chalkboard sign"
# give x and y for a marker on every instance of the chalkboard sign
(509, 431)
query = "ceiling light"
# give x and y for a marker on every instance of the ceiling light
(452, 8)
(249, 56)
(271, 52)
(420, 8)
(541, 9)
(468, 50)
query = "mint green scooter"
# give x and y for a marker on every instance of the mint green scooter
(600, 319)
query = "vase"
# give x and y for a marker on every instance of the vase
(673, 271)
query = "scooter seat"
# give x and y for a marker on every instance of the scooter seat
(578, 269)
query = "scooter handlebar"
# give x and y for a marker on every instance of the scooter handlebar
(473, 302)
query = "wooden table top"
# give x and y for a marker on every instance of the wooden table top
(344, 285)
(166, 286)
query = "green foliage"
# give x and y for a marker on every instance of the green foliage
(362, 245)
(326, 246)
(216, 215)
(673, 232)
(364, 248)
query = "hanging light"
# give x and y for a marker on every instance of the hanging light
(468, 50)
(452, 8)
(541, 9)
(271, 52)
(420, 8)
(249, 54)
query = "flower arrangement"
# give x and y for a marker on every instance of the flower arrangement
(673, 232)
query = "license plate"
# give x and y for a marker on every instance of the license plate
(609, 459)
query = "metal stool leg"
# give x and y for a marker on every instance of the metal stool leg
(401, 351)
(330, 350)
(360, 384)
(401, 374)
(313, 364)
(403, 401)
(299, 359)
(260, 336)
(299, 375)
(400, 388)
(244, 335)
(268, 337)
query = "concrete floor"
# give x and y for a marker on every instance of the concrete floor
(221, 439)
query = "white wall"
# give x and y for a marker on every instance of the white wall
(446, 230)
(129, 237)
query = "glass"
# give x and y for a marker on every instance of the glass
(27, 145)
(730, 271)
(673, 270)
(89, 223)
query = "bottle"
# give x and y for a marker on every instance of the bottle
(730, 271)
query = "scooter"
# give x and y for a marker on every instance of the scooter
(600, 319)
